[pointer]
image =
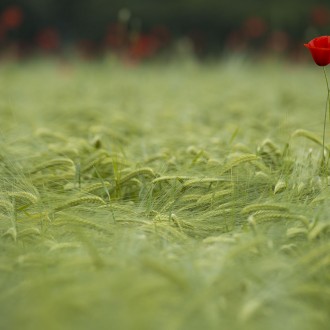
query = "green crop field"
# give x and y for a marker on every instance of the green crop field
(163, 196)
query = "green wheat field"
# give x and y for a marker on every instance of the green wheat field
(163, 196)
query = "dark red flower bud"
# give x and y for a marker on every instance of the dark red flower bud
(320, 50)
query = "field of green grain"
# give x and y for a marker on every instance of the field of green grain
(163, 196)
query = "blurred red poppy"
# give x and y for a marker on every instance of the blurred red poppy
(48, 39)
(12, 17)
(320, 15)
(143, 47)
(320, 50)
(254, 27)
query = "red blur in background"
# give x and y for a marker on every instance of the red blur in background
(254, 27)
(12, 17)
(22, 33)
(48, 39)
(320, 15)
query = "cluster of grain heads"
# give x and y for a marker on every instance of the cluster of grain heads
(95, 188)
(272, 172)
(168, 178)
(214, 197)
(86, 155)
(66, 220)
(29, 234)
(265, 212)
(56, 164)
(164, 227)
(84, 200)
(309, 136)
(219, 201)
(253, 208)
(280, 186)
(128, 183)
(90, 161)
(323, 161)
(311, 230)
(215, 202)
(6, 207)
(270, 153)
(17, 200)
(318, 230)
(205, 182)
(237, 161)
(14, 208)
(199, 156)
(145, 171)
(53, 173)
(12, 233)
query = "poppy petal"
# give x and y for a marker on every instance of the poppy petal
(320, 50)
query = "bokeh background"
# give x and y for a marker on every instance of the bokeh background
(137, 30)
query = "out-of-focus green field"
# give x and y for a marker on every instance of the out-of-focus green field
(177, 196)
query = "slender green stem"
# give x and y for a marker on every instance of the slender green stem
(327, 108)
(324, 126)
(326, 78)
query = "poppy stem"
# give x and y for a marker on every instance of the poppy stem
(327, 108)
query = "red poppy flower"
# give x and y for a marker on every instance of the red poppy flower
(320, 50)
(12, 17)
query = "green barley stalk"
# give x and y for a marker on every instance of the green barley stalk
(81, 201)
